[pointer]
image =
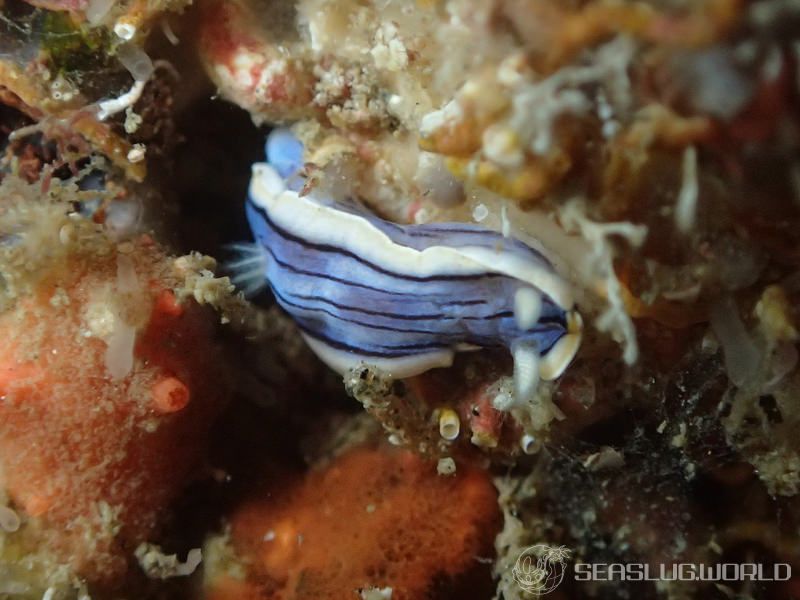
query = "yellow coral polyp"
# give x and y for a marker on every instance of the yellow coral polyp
(456, 139)
(449, 424)
(774, 311)
(529, 183)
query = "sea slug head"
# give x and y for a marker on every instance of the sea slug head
(285, 154)
(559, 357)
(537, 355)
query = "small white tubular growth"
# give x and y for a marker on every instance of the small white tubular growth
(741, 353)
(529, 444)
(124, 31)
(376, 594)
(480, 212)
(446, 466)
(136, 61)
(107, 108)
(119, 352)
(97, 10)
(526, 372)
(449, 424)
(168, 32)
(9, 520)
(686, 207)
(127, 279)
(527, 307)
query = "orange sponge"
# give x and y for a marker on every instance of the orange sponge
(108, 389)
(373, 518)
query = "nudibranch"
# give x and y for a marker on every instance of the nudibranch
(404, 298)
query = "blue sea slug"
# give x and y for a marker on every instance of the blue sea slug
(404, 298)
